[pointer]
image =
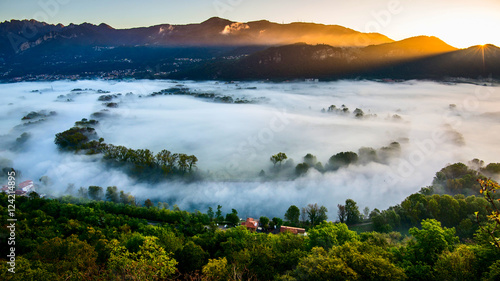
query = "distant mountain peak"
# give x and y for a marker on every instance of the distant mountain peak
(104, 25)
(216, 20)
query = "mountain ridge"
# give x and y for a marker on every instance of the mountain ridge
(214, 31)
(218, 48)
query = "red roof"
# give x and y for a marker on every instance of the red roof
(250, 223)
(294, 230)
(25, 183)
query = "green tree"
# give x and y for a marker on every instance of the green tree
(232, 217)
(151, 262)
(492, 227)
(301, 169)
(112, 194)
(310, 160)
(491, 170)
(95, 192)
(67, 257)
(191, 161)
(431, 241)
(328, 234)
(218, 214)
(352, 212)
(210, 213)
(264, 221)
(182, 162)
(494, 272)
(278, 158)
(341, 213)
(216, 269)
(191, 257)
(351, 261)
(342, 159)
(316, 214)
(292, 215)
(459, 265)
(277, 222)
(148, 203)
(126, 198)
(74, 138)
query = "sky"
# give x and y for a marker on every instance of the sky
(460, 23)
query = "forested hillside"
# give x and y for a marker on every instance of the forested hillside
(442, 238)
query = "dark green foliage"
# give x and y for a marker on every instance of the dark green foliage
(38, 115)
(310, 160)
(210, 213)
(218, 214)
(491, 170)
(191, 257)
(232, 218)
(141, 163)
(95, 193)
(292, 215)
(264, 222)
(351, 261)
(458, 178)
(316, 214)
(328, 234)
(353, 216)
(301, 169)
(431, 241)
(86, 123)
(82, 240)
(148, 203)
(74, 138)
(342, 159)
(112, 194)
(276, 222)
(358, 113)
(458, 211)
(341, 213)
(278, 158)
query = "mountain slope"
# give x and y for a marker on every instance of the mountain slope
(468, 63)
(324, 61)
(212, 32)
(413, 47)
(222, 49)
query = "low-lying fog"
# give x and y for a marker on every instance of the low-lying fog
(435, 124)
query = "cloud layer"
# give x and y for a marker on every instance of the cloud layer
(438, 124)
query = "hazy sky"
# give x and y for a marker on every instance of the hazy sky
(461, 23)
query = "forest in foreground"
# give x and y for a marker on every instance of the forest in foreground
(431, 235)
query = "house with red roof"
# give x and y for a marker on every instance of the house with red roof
(27, 186)
(294, 230)
(251, 224)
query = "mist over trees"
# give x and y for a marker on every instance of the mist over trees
(141, 163)
(71, 238)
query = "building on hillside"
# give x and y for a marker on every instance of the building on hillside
(27, 186)
(251, 224)
(20, 193)
(5, 189)
(294, 230)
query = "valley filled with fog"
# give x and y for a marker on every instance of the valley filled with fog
(234, 128)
